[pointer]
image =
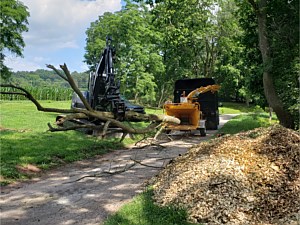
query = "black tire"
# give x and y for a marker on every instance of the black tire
(167, 131)
(202, 132)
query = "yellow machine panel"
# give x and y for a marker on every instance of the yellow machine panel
(188, 113)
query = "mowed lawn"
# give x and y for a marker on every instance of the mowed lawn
(27, 143)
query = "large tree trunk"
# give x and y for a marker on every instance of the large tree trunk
(283, 115)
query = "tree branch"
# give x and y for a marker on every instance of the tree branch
(75, 88)
(57, 72)
(75, 127)
(143, 164)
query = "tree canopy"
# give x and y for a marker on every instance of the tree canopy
(160, 41)
(13, 23)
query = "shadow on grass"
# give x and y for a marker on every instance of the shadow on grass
(45, 150)
(142, 210)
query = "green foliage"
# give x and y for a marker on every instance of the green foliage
(142, 210)
(138, 60)
(189, 31)
(14, 22)
(46, 78)
(44, 85)
(236, 108)
(283, 37)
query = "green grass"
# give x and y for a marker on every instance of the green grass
(237, 108)
(154, 111)
(24, 140)
(143, 211)
(247, 122)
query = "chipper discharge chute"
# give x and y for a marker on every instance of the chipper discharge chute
(189, 111)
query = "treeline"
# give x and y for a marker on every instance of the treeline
(46, 78)
(45, 85)
(160, 41)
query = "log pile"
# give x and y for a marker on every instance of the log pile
(247, 178)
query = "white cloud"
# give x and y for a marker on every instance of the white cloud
(57, 24)
(20, 64)
(57, 32)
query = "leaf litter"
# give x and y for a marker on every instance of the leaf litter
(248, 178)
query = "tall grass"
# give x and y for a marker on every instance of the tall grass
(40, 93)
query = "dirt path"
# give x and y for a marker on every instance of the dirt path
(86, 192)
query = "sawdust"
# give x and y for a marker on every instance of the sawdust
(247, 178)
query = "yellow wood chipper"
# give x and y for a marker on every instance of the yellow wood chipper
(189, 111)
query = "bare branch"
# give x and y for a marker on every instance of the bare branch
(67, 117)
(57, 72)
(143, 164)
(104, 173)
(75, 88)
(159, 132)
(75, 127)
(105, 128)
(12, 93)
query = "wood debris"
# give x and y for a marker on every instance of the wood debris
(247, 178)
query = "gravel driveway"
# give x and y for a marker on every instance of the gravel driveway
(86, 192)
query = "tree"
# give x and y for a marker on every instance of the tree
(278, 35)
(229, 65)
(13, 23)
(138, 62)
(201, 39)
(190, 37)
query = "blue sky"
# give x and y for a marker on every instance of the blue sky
(57, 32)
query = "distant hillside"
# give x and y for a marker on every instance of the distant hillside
(42, 78)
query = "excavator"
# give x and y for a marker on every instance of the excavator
(103, 90)
(189, 111)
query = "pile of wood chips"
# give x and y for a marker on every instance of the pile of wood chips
(247, 178)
